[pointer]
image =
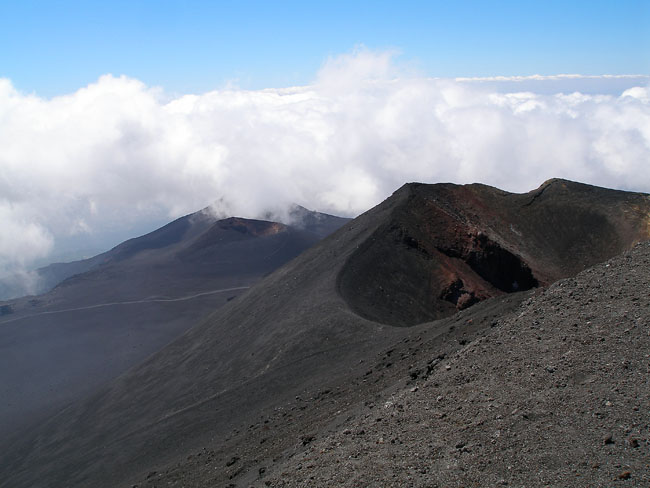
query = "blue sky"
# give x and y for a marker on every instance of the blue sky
(56, 47)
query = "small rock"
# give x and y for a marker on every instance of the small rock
(608, 439)
(625, 475)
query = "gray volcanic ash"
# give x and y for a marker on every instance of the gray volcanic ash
(556, 394)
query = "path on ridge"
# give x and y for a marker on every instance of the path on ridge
(129, 302)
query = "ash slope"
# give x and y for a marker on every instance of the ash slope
(298, 331)
(138, 297)
(555, 395)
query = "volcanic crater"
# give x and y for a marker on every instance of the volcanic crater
(448, 247)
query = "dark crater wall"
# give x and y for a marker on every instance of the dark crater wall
(401, 280)
(494, 264)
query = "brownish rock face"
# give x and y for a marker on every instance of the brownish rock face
(447, 247)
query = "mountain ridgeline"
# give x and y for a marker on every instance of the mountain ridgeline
(316, 340)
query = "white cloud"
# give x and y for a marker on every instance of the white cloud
(23, 239)
(554, 77)
(117, 152)
(566, 83)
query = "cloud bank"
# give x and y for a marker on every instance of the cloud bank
(118, 152)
